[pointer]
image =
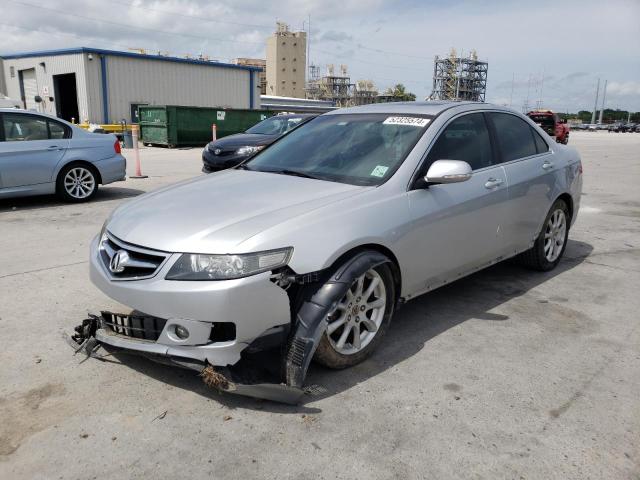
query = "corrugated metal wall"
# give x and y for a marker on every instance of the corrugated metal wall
(53, 65)
(133, 80)
(3, 88)
(157, 82)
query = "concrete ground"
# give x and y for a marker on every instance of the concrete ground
(506, 374)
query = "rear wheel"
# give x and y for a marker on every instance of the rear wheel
(552, 241)
(359, 320)
(77, 183)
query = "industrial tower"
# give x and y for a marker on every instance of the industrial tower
(459, 78)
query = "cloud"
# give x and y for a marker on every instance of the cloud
(623, 88)
(575, 76)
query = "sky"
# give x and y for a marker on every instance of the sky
(549, 52)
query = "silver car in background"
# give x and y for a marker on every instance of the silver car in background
(41, 154)
(312, 244)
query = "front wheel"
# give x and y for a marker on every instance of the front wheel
(552, 240)
(359, 320)
(77, 183)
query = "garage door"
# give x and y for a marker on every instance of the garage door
(30, 88)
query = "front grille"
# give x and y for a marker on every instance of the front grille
(132, 263)
(144, 327)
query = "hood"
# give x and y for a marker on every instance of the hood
(241, 140)
(216, 212)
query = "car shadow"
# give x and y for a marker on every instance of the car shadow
(104, 194)
(426, 317)
(413, 326)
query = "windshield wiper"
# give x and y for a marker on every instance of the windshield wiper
(242, 166)
(296, 173)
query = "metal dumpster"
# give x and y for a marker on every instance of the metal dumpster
(173, 125)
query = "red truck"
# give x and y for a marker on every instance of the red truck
(551, 123)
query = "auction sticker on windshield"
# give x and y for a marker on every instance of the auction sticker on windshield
(409, 121)
(379, 171)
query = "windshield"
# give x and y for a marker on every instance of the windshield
(275, 125)
(361, 149)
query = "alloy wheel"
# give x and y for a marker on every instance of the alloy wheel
(356, 319)
(79, 182)
(555, 234)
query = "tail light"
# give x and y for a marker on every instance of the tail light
(116, 146)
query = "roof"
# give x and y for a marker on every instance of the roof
(424, 108)
(116, 53)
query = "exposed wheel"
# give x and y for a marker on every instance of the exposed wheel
(552, 241)
(77, 183)
(361, 317)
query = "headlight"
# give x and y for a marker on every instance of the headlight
(193, 266)
(248, 150)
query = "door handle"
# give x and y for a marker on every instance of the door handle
(54, 147)
(547, 165)
(493, 183)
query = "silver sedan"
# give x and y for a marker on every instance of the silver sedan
(312, 244)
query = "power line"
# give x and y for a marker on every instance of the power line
(75, 35)
(133, 27)
(197, 17)
(33, 30)
(333, 54)
(377, 50)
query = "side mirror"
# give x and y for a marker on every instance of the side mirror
(448, 171)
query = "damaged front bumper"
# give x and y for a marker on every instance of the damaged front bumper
(253, 306)
(223, 322)
(256, 375)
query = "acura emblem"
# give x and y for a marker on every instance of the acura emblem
(119, 261)
(217, 151)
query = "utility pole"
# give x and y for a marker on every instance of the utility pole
(513, 79)
(308, 47)
(604, 95)
(595, 106)
(526, 103)
(541, 87)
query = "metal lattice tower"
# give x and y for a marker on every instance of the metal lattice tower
(335, 87)
(459, 78)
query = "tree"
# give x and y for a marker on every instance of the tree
(400, 94)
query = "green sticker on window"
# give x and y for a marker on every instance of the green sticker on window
(379, 171)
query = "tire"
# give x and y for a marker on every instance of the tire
(552, 240)
(337, 352)
(77, 182)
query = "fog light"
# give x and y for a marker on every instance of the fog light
(181, 332)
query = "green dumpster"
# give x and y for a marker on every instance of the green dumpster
(173, 125)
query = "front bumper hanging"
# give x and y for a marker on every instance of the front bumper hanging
(256, 375)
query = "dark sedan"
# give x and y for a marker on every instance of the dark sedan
(230, 151)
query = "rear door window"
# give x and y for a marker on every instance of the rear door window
(514, 136)
(57, 130)
(466, 138)
(541, 145)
